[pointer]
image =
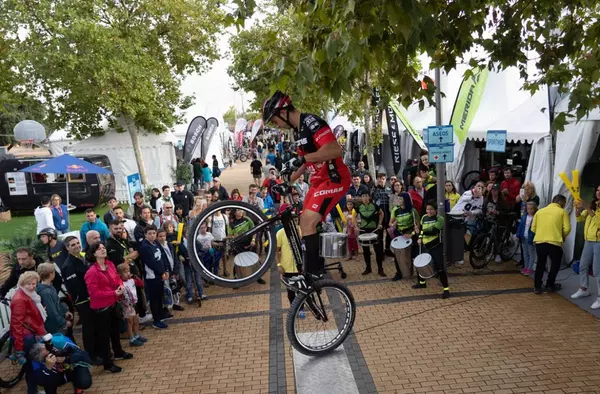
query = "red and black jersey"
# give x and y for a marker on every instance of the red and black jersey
(313, 133)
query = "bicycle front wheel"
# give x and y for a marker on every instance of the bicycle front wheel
(230, 244)
(11, 372)
(329, 312)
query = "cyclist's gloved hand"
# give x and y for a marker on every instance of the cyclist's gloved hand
(281, 188)
(297, 162)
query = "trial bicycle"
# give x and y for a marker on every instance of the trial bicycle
(484, 244)
(328, 306)
(11, 372)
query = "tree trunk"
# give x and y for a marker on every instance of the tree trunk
(135, 142)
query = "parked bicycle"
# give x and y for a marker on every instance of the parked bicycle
(328, 305)
(240, 154)
(485, 244)
(11, 372)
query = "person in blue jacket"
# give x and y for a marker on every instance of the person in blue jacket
(60, 214)
(525, 235)
(93, 223)
(151, 258)
(51, 371)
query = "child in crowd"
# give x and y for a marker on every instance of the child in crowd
(129, 301)
(59, 319)
(350, 229)
(526, 236)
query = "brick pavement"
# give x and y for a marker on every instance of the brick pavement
(493, 336)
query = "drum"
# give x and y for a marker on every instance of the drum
(401, 242)
(367, 239)
(244, 264)
(401, 248)
(424, 265)
(333, 245)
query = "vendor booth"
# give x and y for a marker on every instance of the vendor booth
(158, 151)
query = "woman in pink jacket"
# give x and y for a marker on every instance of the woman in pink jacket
(105, 288)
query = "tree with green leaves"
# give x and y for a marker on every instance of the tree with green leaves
(123, 62)
(271, 55)
(15, 104)
(347, 40)
(230, 116)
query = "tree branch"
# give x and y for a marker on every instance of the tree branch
(38, 20)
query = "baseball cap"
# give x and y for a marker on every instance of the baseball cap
(216, 179)
(179, 183)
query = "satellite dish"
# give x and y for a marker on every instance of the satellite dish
(28, 132)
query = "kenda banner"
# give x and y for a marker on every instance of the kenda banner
(394, 133)
(467, 102)
(212, 125)
(193, 137)
(402, 117)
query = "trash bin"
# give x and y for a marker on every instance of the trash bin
(456, 238)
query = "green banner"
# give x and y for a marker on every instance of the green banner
(402, 117)
(467, 102)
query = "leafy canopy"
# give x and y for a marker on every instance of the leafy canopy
(94, 59)
(345, 40)
(270, 55)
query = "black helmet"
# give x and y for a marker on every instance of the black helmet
(273, 105)
(49, 231)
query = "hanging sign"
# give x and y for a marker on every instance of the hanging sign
(496, 141)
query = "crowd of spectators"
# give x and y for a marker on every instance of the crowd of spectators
(117, 275)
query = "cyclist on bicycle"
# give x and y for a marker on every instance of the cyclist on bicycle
(470, 205)
(320, 154)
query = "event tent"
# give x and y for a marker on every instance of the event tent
(158, 152)
(504, 106)
(574, 148)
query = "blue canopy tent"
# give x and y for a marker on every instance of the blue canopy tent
(66, 164)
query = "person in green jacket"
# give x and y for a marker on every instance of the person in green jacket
(405, 219)
(430, 239)
(371, 221)
(237, 226)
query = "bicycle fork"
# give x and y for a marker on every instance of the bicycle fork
(298, 285)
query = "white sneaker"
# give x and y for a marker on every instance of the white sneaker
(461, 262)
(146, 319)
(580, 294)
(498, 259)
(596, 305)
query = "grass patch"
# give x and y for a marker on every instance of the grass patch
(24, 220)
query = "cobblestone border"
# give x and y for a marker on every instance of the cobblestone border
(277, 380)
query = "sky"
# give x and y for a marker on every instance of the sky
(212, 91)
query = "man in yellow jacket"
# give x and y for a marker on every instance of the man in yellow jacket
(551, 226)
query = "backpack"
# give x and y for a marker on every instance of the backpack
(216, 172)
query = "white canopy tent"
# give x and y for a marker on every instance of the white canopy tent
(59, 141)
(504, 106)
(574, 148)
(158, 153)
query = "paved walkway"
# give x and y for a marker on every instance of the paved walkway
(493, 336)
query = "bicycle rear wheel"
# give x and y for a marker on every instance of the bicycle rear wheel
(509, 247)
(482, 251)
(246, 257)
(11, 372)
(243, 158)
(470, 179)
(329, 310)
